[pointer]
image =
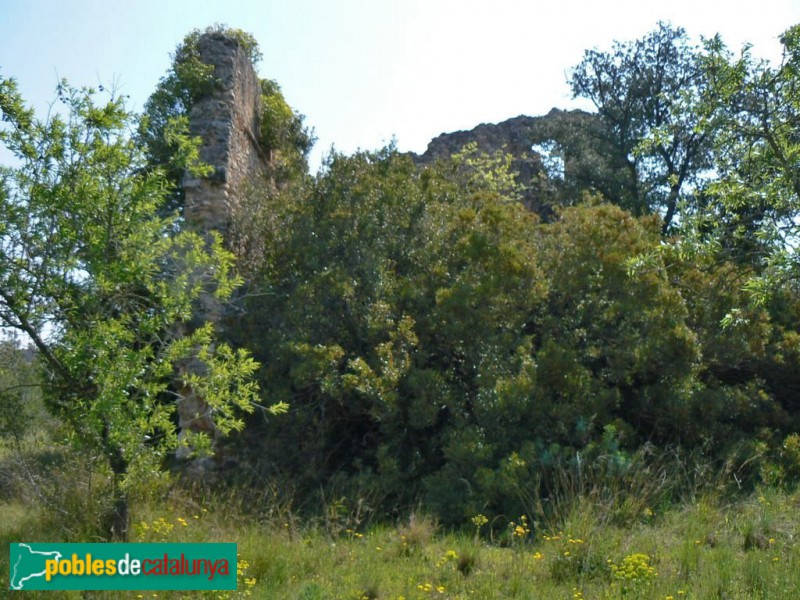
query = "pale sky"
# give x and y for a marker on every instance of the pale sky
(365, 71)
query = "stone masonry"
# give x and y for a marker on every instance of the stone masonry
(513, 137)
(518, 137)
(227, 121)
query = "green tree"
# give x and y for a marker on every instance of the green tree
(735, 262)
(95, 277)
(615, 344)
(437, 342)
(752, 113)
(748, 375)
(643, 91)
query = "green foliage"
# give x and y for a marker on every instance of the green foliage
(734, 262)
(92, 275)
(779, 466)
(473, 171)
(644, 92)
(169, 106)
(580, 157)
(390, 301)
(618, 342)
(749, 363)
(20, 394)
(751, 113)
(435, 340)
(283, 135)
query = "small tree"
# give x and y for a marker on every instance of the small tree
(96, 278)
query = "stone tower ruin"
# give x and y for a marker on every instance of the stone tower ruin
(227, 120)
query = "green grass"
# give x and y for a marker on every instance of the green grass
(701, 551)
(607, 546)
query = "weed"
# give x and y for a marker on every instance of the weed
(417, 532)
(467, 560)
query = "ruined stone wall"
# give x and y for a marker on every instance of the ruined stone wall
(514, 136)
(518, 137)
(228, 121)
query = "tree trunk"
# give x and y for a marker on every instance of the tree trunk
(118, 519)
(672, 205)
(119, 515)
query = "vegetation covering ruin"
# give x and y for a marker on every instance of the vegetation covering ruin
(607, 351)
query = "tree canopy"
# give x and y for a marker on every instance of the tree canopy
(642, 90)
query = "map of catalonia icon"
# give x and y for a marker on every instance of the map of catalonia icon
(27, 564)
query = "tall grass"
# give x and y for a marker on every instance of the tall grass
(650, 530)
